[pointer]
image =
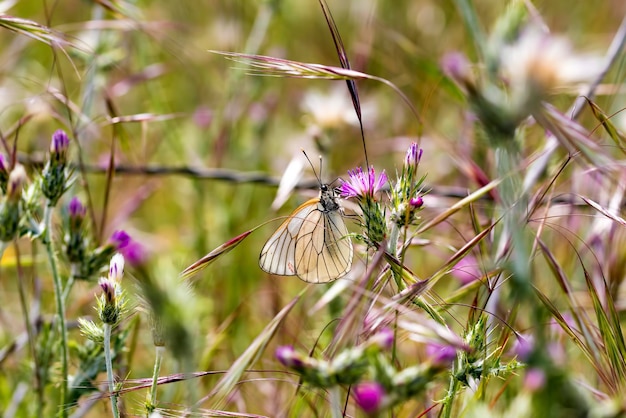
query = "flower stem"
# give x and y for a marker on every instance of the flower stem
(151, 402)
(58, 294)
(335, 401)
(109, 366)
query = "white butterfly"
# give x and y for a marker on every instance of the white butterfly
(313, 242)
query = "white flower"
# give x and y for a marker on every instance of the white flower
(540, 62)
(330, 110)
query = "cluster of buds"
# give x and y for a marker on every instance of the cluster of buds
(406, 195)
(56, 174)
(94, 261)
(378, 385)
(364, 186)
(111, 301)
(10, 206)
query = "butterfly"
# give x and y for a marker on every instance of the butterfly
(312, 243)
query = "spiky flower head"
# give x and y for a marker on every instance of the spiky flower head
(363, 184)
(111, 303)
(413, 155)
(59, 144)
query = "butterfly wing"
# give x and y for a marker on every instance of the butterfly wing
(323, 250)
(278, 253)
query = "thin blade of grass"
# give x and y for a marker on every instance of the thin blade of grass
(608, 126)
(225, 386)
(604, 211)
(609, 332)
(345, 63)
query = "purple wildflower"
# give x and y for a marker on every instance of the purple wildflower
(523, 347)
(362, 184)
(288, 357)
(76, 208)
(108, 289)
(466, 270)
(3, 164)
(413, 155)
(120, 239)
(534, 379)
(440, 354)
(384, 338)
(369, 396)
(60, 142)
(416, 202)
(134, 253)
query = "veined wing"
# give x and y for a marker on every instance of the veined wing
(278, 253)
(323, 250)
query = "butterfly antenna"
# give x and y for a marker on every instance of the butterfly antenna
(319, 179)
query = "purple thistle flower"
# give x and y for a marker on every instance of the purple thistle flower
(60, 142)
(108, 289)
(120, 239)
(523, 347)
(384, 338)
(413, 155)
(416, 202)
(534, 379)
(466, 270)
(3, 164)
(369, 396)
(440, 354)
(134, 253)
(76, 208)
(362, 184)
(288, 357)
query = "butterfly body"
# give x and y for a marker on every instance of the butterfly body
(312, 243)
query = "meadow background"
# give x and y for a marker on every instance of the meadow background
(200, 147)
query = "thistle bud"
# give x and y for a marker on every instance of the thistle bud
(10, 206)
(74, 237)
(4, 173)
(55, 175)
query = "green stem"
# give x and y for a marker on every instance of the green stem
(449, 399)
(335, 401)
(152, 396)
(58, 294)
(109, 366)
